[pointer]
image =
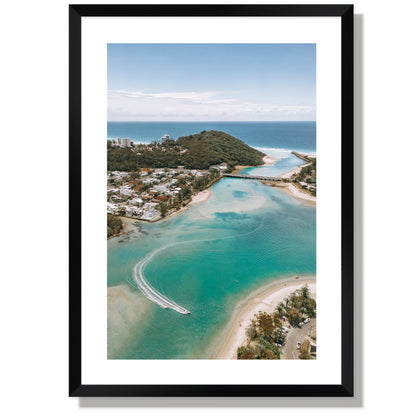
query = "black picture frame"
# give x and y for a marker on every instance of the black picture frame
(76, 388)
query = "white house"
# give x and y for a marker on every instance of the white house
(160, 188)
(126, 191)
(136, 201)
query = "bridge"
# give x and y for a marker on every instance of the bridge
(259, 178)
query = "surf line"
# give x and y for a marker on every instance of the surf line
(150, 292)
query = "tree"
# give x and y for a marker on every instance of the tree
(294, 315)
(269, 355)
(277, 321)
(163, 208)
(251, 331)
(280, 309)
(267, 345)
(305, 292)
(184, 193)
(304, 350)
(245, 353)
(265, 323)
(114, 225)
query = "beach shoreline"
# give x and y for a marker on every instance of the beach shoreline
(268, 161)
(293, 190)
(201, 197)
(294, 171)
(264, 299)
(205, 194)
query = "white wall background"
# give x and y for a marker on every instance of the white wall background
(34, 222)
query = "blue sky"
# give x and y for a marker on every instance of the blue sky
(211, 82)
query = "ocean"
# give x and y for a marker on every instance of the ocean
(212, 255)
(300, 136)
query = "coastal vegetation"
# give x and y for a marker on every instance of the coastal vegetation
(152, 194)
(114, 225)
(304, 353)
(298, 306)
(215, 147)
(151, 181)
(308, 173)
(263, 334)
(306, 178)
(121, 159)
(267, 331)
(197, 151)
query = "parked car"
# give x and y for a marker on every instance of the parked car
(300, 324)
(298, 345)
(306, 320)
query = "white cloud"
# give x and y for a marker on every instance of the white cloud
(196, 106)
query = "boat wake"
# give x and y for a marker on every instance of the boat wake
(150, 292)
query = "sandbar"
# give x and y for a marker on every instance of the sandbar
(126, 309)
(269, 161)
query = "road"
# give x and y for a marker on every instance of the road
(295, 335)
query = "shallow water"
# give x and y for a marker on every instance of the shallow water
(211, 256)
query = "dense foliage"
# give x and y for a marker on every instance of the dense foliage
(304, 350)
(121, 159)
(266, 334)
(263, 334)
(197, 151)
(308, 173)
(114, 225)
(215, 147)
(298, 306)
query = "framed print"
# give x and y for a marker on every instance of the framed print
(211, 200)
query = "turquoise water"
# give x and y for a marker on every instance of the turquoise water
(212, 255)
(244, 236)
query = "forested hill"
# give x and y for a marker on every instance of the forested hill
(214, 147)
(197, 151)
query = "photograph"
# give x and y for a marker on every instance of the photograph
(186, 232)
(211, 201)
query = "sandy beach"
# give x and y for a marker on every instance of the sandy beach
(294, 171)
(128, 224)
(239, 168)
(293, 190)
(269, 161)
(201, 196)
(127, 227)
(265, 300)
